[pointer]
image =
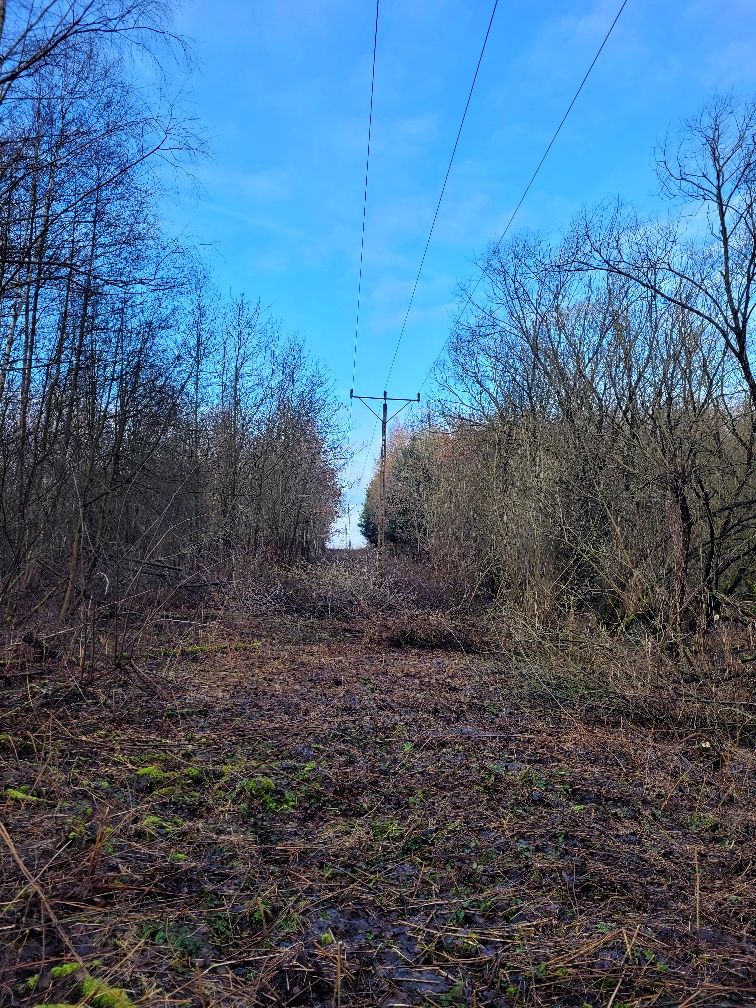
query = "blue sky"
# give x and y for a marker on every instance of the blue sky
(282, 93)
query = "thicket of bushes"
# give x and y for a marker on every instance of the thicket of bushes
(144, 430)
(595, 448)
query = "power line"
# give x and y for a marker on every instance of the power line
(533, 177)
(364, 202)
(362, 236)
(383, 419)
(433, 223)
(443, 190)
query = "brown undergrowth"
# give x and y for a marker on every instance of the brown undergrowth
(289, 806)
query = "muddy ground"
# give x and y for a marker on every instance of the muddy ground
(286, 810)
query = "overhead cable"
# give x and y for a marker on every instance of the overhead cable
(443, 190)
(364, 203)
(538, 167)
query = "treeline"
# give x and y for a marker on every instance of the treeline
(145, 430)
(594, 445)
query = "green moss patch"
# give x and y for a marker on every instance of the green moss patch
(102, 995)
(20, 794)
(152, 775)
(64, 970)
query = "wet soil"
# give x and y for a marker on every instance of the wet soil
(280, 812)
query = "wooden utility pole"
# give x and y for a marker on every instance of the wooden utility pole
(384, 418)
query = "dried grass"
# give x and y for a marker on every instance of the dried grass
(306, 817)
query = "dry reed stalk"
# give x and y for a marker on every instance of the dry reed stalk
(35, 886)
(697, 889)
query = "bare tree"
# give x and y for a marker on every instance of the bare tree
(589, 451)
(710, 168)
(34, 32)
